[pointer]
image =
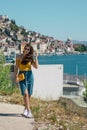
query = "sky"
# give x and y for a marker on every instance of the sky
(54, 18)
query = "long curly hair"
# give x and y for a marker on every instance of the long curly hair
(28, 57)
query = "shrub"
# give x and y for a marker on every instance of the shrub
(5, 81)
(85, 91)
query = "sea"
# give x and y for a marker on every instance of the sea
(72, 64)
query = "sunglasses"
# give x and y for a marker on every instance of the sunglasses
(28, 49)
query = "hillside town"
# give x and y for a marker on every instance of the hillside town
(14, 37)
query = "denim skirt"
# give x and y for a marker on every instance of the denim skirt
(27, 83)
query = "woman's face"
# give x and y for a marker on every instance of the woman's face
(26, 50)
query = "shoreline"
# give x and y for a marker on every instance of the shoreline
(73, 77)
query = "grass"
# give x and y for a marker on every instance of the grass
(63, 112)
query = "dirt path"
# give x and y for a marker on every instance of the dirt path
(11, 118)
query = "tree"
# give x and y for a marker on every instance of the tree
(81, 48)
(13, 26)
(85, 92)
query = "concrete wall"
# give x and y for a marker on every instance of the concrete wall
(48, 84)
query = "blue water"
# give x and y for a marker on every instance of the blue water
(73, 64)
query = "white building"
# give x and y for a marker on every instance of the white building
(43, 47)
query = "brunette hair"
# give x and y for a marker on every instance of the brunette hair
(29, 56)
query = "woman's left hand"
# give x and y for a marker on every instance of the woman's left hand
(36, 53)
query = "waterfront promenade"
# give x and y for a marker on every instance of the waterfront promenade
(11, 118)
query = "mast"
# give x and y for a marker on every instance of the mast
(76, 70)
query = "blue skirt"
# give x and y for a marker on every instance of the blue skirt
(27, 83)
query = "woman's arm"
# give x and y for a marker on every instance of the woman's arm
(35, 61)
(16, 67)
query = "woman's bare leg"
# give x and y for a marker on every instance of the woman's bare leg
(26, 98)
(27, 111)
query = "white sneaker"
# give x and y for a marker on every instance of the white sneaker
(29, 115)
(25, 112)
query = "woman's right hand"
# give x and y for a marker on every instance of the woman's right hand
(17, 79)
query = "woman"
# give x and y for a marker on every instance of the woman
(24, 64)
